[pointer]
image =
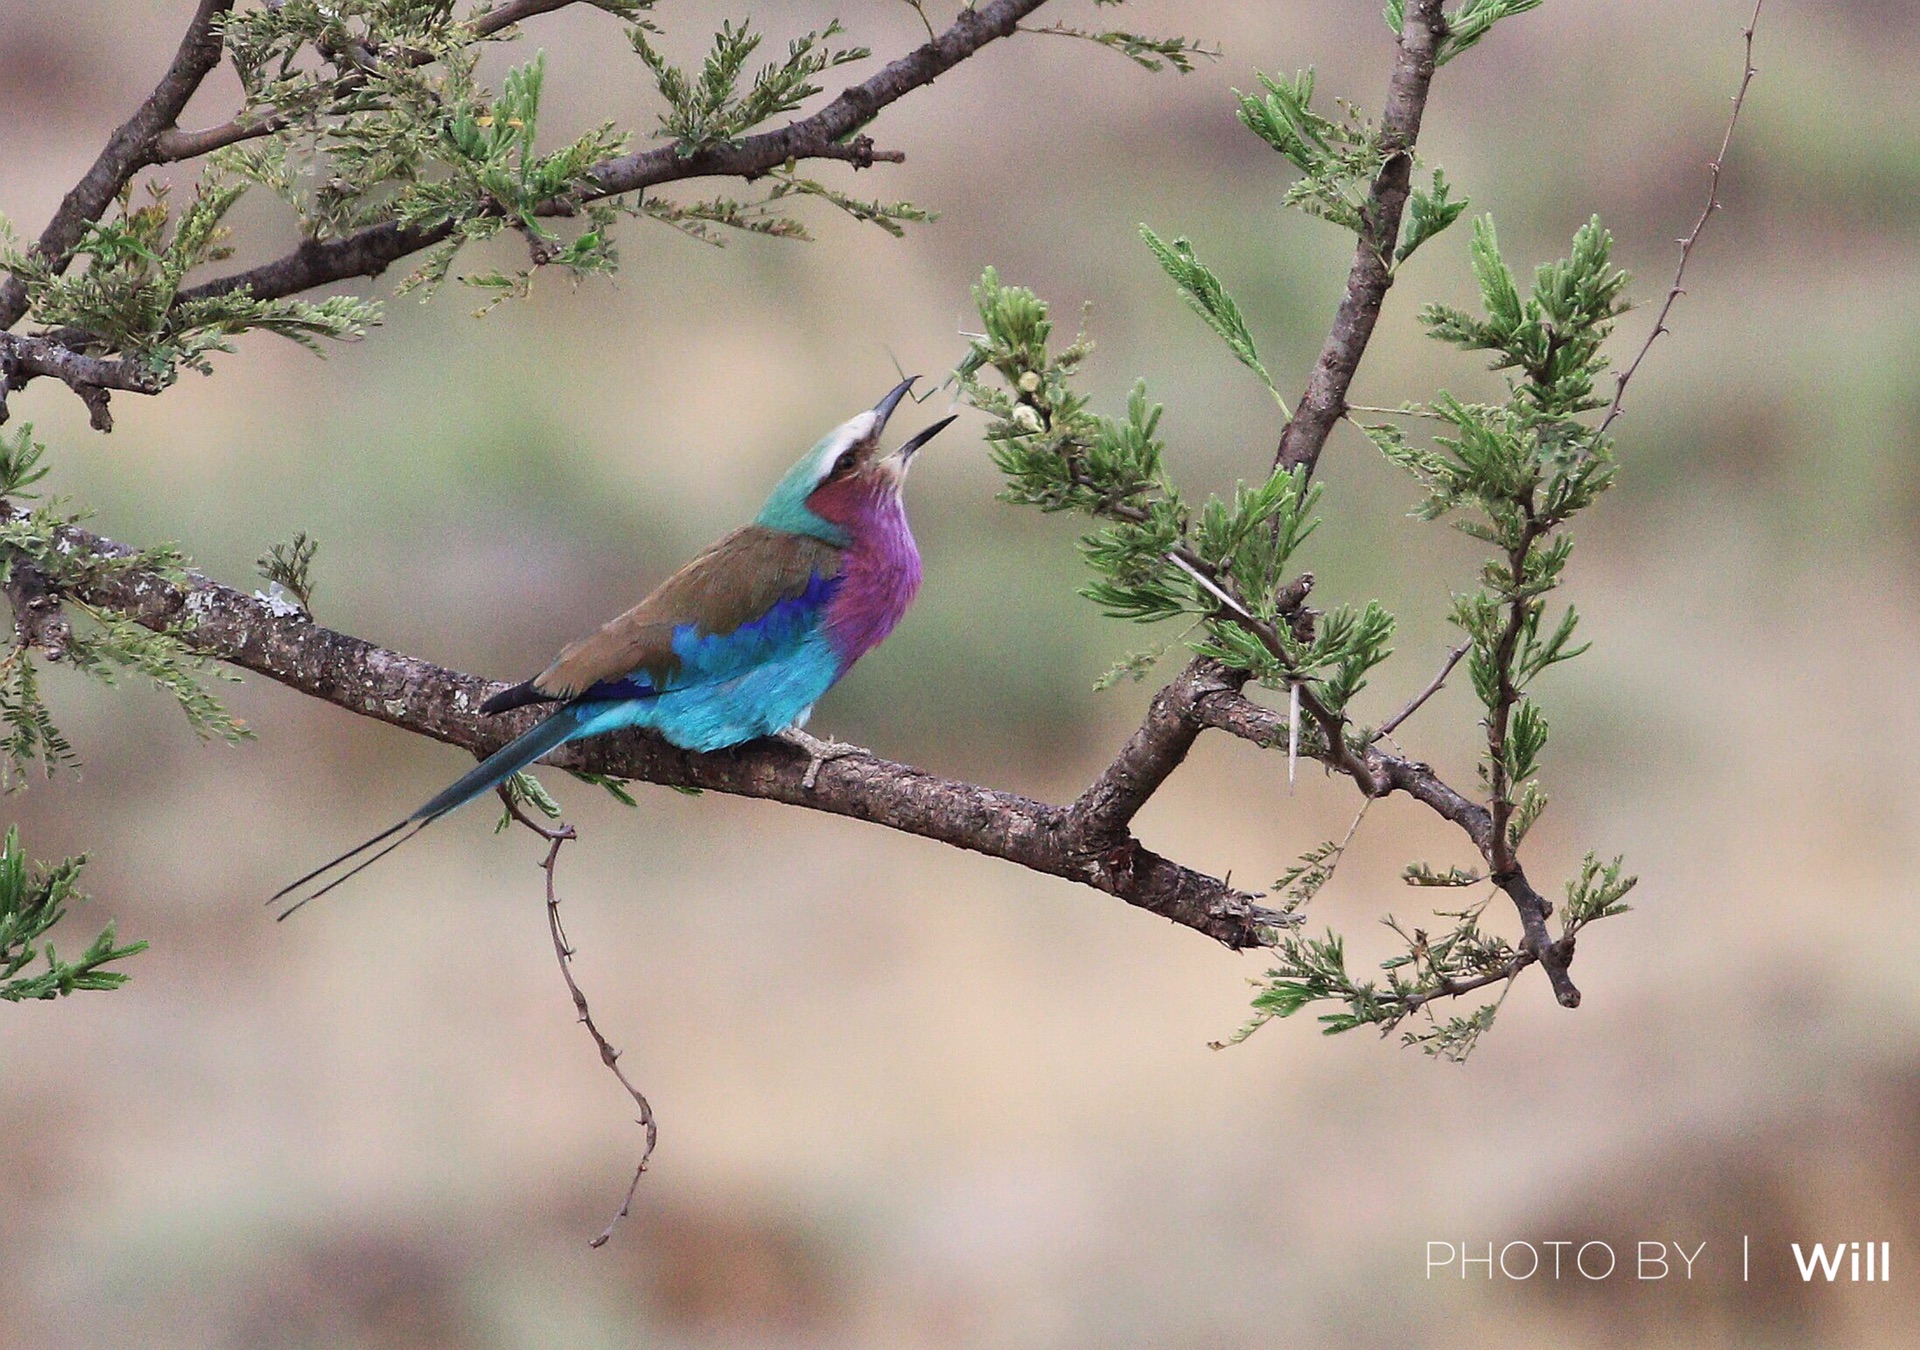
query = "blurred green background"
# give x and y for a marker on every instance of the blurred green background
(912, 1097)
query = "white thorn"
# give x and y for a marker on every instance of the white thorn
(1293, 731)
(1208, 585)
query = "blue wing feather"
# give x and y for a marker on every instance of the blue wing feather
(756, 680)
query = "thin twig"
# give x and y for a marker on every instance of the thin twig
(1675, 291)
(1438, 682)
(1331, 863)
(1499, 852)
(919, 7)
(557, 836)
(1449, 987)
(1238, 715)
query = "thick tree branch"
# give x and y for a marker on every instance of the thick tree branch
(128, 151)
(1325, 399)
(421, 697)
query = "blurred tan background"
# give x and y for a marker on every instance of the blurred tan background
(911, 1097)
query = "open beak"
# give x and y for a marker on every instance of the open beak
(884, 408)
(906, 452)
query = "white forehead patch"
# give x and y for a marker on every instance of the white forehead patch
(854, 429)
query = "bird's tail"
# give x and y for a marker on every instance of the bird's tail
(488, 774)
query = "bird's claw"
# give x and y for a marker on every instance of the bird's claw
(818, 752)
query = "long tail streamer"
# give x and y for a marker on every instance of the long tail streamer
(492, 771)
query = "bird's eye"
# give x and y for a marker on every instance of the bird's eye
(844, 465)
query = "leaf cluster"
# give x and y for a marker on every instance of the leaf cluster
(387, 121)
(1597, 891)
(21, 461)
(1514, 475)
(32, 739)
(1300, 883)
(1429, 211)
(381, 118)
(289, 568)
(1149, 53)
(1337, 160)
(31, 903)
(1465, 26)
(128, 294)
(525, 792)
(1552, 337)
(112, 647)
(710, 107)
(1309, 970)
(1208, 298)
(1222, 565)
(529, 793)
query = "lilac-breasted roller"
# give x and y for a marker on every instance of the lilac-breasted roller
(739, 643)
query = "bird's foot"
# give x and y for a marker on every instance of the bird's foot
(819, 752)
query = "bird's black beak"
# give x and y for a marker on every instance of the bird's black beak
(884, 408)
(906, 452)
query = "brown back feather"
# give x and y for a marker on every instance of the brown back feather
(732, 583)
